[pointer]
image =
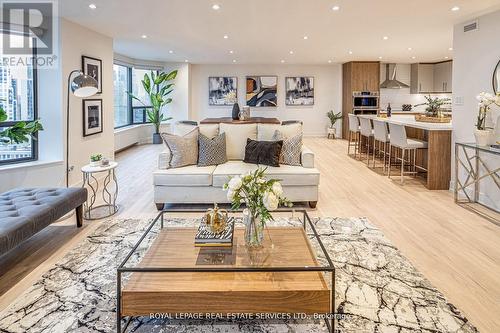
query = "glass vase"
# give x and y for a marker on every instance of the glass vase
(254, 229)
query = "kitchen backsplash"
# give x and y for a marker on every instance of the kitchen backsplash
(398, 97)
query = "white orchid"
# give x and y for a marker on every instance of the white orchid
(277, 189)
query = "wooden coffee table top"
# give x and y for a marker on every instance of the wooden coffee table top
(174, 247)
(252, 120)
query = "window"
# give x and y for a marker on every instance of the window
(18, 99)
(129, 111)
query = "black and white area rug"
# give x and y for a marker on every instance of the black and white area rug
(377, 288)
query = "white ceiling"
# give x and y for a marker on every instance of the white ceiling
(265, 31)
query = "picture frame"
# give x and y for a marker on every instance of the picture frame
(299, 91)
(92, 117)
(262, 91)
(222, 90)
(93, 67)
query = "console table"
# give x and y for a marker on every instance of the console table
(469, 160)
(229, 120)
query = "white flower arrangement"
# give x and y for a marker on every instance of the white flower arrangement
(485, 101)
(260, 195)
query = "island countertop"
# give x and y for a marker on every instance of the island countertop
(409, 120)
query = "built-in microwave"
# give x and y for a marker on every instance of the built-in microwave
(365, 100)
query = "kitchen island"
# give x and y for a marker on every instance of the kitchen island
(437, 158)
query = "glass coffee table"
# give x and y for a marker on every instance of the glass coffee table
(173, 277)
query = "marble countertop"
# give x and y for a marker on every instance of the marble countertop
(409, 120)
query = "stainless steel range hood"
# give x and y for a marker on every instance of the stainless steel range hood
(390, 81)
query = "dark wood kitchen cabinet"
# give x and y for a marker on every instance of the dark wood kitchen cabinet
(357, 76)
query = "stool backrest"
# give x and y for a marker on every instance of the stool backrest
(398, 135)
(380, 131)
(366, 126)
(353, 123)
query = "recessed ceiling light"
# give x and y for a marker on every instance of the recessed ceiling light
(215, 7)
(446, 57)
(144, 36)
(186, 60)
(170, 51)
(305, 37)
(350, 52)
(450, 49)
(231, 51)
(329, 61)
(413, 57)
(409, 49)
(226, 36)
(455, 8)
(385, 38)
(380, 57)
(282, 61)
(234, 60)
(291, 52)
(92, 6)
(335, 8)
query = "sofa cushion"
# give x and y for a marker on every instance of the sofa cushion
(294, 175)
(236, 138)
(229, 169)
(191, 175)
(212, 151)
(183, 149)
(291, 150)
(209, 130)
(266, 131)
(182, 129)
(263, 152)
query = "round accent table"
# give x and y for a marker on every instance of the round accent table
(109, 191)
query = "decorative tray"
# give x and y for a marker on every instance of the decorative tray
(426, 119)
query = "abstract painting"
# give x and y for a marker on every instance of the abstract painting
(222, 90)
(262, 91)
(299, 90)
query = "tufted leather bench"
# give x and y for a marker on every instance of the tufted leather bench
(24, 212)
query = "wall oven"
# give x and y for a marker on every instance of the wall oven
(365, 100)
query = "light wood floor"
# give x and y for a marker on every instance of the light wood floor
(458, 251)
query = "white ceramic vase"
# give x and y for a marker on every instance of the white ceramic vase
(483, 137)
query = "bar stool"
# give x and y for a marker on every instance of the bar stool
(366, 131)
(353, 129)
(381, 137)
(399, 140)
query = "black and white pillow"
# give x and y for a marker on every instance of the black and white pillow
(291, 150)
(211, 151)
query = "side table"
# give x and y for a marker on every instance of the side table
(109, 191)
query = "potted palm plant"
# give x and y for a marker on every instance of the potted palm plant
(334, 117)
(20, 132)
(158, 87)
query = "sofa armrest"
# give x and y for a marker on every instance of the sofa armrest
(307, 158)
(164, 160)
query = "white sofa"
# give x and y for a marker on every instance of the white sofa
(193, 184)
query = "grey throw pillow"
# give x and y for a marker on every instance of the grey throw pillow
(211, 151)
(291, 150)
(183, 149)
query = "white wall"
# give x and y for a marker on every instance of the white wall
(76, 41)
(327, 91)
(475, 57)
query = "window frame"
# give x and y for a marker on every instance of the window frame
(130, 107)
(34, 139)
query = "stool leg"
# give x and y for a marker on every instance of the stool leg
(349, 142)
(403, 151)
(389, 171)
(374, 152)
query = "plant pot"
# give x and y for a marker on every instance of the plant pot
(95, 163)
(483, 137)
(157, 138)
(332, 132)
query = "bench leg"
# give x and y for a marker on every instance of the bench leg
(79, 216)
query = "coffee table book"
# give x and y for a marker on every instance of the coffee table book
(205, 237)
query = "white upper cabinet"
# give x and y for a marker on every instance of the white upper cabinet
(431, 78)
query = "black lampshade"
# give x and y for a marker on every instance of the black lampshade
(84, 85)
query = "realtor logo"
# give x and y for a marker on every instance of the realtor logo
(28, 25)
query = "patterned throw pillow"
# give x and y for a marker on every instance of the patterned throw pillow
(292, 148)
(183, 149)
(211, 151)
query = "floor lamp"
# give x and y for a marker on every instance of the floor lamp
(82, 86)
